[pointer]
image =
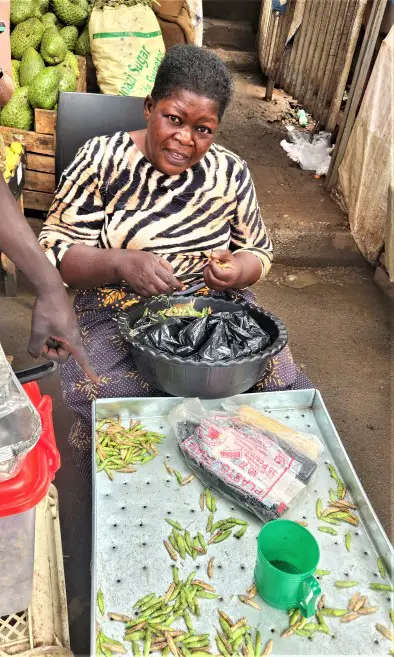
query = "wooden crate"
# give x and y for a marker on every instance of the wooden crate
(40, 152)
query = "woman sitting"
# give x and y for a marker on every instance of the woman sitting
(136, 211)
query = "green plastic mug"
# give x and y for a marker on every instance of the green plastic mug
(287, 557)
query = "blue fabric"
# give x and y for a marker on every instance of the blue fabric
(279, 5)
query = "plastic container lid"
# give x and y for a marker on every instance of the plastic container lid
(30, 486)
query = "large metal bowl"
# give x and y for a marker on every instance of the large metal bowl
(182, 377)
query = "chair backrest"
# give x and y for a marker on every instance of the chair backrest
(82, 116)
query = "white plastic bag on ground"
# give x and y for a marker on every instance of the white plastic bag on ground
(312, 155)
(127, 48)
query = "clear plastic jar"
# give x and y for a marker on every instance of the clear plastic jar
(20, 425)
(17, 535)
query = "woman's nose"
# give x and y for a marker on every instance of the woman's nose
(184, 136)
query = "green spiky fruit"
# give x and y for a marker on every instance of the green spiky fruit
(22, 10)
(18, 113)
(25, 35)
(53, 47)
(71, 61)
(49, 20)
(43, 6)
(67, 79)
(69, 13)
(32, 63)
(44, 89)
(84, 4)
(15, 73)
(70, 36)
(83, 44)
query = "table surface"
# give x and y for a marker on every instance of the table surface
(130, 561)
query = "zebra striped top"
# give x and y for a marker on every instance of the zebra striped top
(112, 197)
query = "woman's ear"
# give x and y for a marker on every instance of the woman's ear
(148, 107)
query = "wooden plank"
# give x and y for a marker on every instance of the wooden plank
(33, 142)
(37, 200)
(45, 121)
(82, 80)
(356, 90)
(389, 234)
(39, 182)
(43, 163)
(279, 48)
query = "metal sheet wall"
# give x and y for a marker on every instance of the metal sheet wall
(311, 57)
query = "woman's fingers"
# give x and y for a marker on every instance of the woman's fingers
(168, 278)
(154, 287)
(222, 273)
(213, 282)
(166, 264)
(221, 255)
(158, 286)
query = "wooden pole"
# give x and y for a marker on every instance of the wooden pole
(345, 65)
(280, 46)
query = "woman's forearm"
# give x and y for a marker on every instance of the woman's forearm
(85, 267)
(5, 48)
(7, 89)
(19, 243)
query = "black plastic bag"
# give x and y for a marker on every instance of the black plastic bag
(217, 337)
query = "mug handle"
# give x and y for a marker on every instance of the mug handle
(311, 590)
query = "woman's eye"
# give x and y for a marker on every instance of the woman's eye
(174, 119)
(204, 130)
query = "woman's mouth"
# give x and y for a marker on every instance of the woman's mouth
(175, 157)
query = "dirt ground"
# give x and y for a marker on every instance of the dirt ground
(289, 197)
(339, 331)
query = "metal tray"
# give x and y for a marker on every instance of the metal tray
(130, 561)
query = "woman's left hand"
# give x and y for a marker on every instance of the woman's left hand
(227, 270)
(223, 271)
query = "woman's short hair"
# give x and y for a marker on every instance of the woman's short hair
(194, 69)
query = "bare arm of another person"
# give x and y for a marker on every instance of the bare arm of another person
(7, 89)
(5, 47)
(54, 331)
(72, 232)
(252, 257)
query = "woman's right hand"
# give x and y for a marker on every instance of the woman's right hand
(145, 273)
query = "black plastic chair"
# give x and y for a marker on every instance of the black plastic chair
(82, 116)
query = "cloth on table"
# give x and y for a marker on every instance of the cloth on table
(110, 354)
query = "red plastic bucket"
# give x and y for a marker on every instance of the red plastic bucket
(18, 498)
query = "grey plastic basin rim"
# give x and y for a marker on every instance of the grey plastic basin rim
(270, 352)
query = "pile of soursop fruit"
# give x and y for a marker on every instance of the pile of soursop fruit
(46, 36)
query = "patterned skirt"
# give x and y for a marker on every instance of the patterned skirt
(96, 311)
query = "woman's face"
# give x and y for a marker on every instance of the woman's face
(180, 130)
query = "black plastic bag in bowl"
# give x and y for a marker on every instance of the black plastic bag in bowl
(216, 337)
